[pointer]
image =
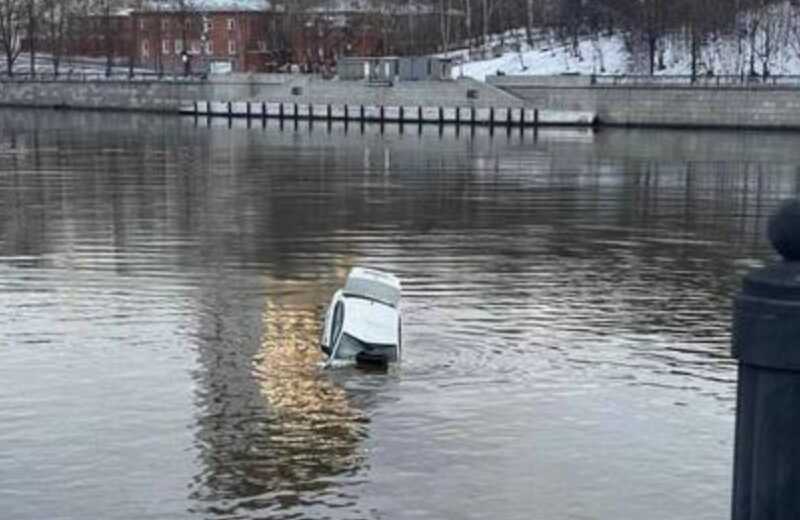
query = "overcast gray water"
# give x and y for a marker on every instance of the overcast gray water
(566, 318)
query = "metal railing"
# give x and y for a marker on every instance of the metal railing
(704, 81)
(116, 76)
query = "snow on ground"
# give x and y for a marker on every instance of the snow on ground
(612, 54)
(603, 55)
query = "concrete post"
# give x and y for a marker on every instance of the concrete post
(766, 342)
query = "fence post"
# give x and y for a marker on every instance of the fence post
(766, 342)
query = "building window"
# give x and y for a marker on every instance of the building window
(165, 46)
(231, 46)
(164, 25)
(231, 24)
(141, 24)
(178, 46)
(262, 46)
(207, 26)
(195, 47)
(145, 49)
(187, 24)
(209, 48)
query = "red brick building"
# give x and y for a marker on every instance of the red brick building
(239, 39)
(217, 40)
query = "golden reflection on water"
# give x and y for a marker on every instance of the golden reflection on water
(308, 405)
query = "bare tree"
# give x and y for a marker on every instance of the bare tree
(32, 13)
(529, 21)
(445, 7)
(11, 13)
(54, 24)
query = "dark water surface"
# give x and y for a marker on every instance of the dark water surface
(566, 318)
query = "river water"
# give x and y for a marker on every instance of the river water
(566, 318)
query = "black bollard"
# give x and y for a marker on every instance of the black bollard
(766, 342)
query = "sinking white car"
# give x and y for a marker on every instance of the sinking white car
(363, 320)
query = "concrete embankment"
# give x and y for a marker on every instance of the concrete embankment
(170, 96)
(463, 100)
(661, 104)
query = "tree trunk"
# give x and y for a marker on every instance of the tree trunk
(32, 36)
(694, 52)
(108, 41)
(468, 20)
(767, 53)
(485, 22)
(529, 21)
(443, 24)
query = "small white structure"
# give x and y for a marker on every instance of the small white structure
(363, 321)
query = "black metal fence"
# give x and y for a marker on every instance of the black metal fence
(116, 76)
(703, 81)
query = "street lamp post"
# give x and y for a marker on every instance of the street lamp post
(186, 62)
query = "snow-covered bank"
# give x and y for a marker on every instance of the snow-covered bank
(775, 47)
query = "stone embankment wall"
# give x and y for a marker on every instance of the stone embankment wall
(660, 104)
(170, 96)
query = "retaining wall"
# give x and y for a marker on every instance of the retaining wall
(171, 96)
(764, 106)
